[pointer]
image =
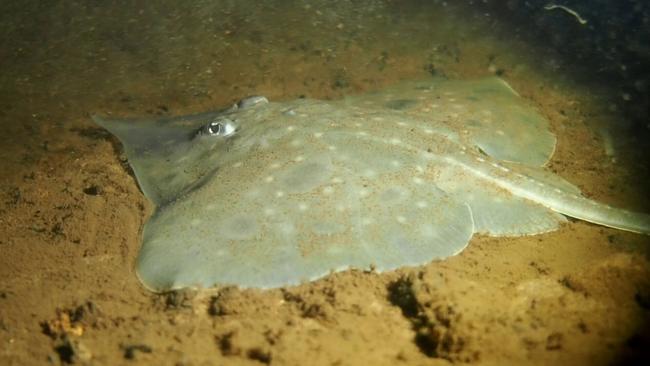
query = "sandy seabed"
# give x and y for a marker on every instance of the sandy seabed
(71, 213)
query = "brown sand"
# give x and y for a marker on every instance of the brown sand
(71, 213)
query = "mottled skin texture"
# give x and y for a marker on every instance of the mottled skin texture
(272, 194)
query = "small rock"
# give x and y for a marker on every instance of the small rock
(72, 351)
(554, 341)
(131, 350)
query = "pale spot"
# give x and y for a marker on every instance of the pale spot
(394, 195)
(395, 163)
(402, 124)
(328, 190)
(295, 143)
(428, 231)
(336, 180)
(286, 228)
(253, 193)
(363, 192)
(318, 135)
(419, 169)
(427, 155)
(504, 168)
(452, 99)
(379, 119)
(237, 164)
(367, 221)
(434, 105)
(238, 227)
(269, 179)
(274, 165)
(395, 141)
(279, 194)
(401, 219)
(333, 249)
(428, 131)
(500, 132)
(268, 211)
(362, 133)
(369, 173)
(299, 158)
(421, 204)
(480, 159)
(357, 124)
(454, 115)
(331, 148)
(557, 190)
(303, 206)
(426, 110)
(418, 180)
(291, 128)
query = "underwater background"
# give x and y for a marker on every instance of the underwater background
(71, 212)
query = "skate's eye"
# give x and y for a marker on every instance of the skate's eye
(221, 126)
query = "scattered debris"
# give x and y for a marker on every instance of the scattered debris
(64, 324)
(251, 346)
(580, 19)
(68, 325)
(259, 355)
(554, 341)
(131, 350)
(93, 190)
(72, 350)
(179, 299)
(225, 343)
